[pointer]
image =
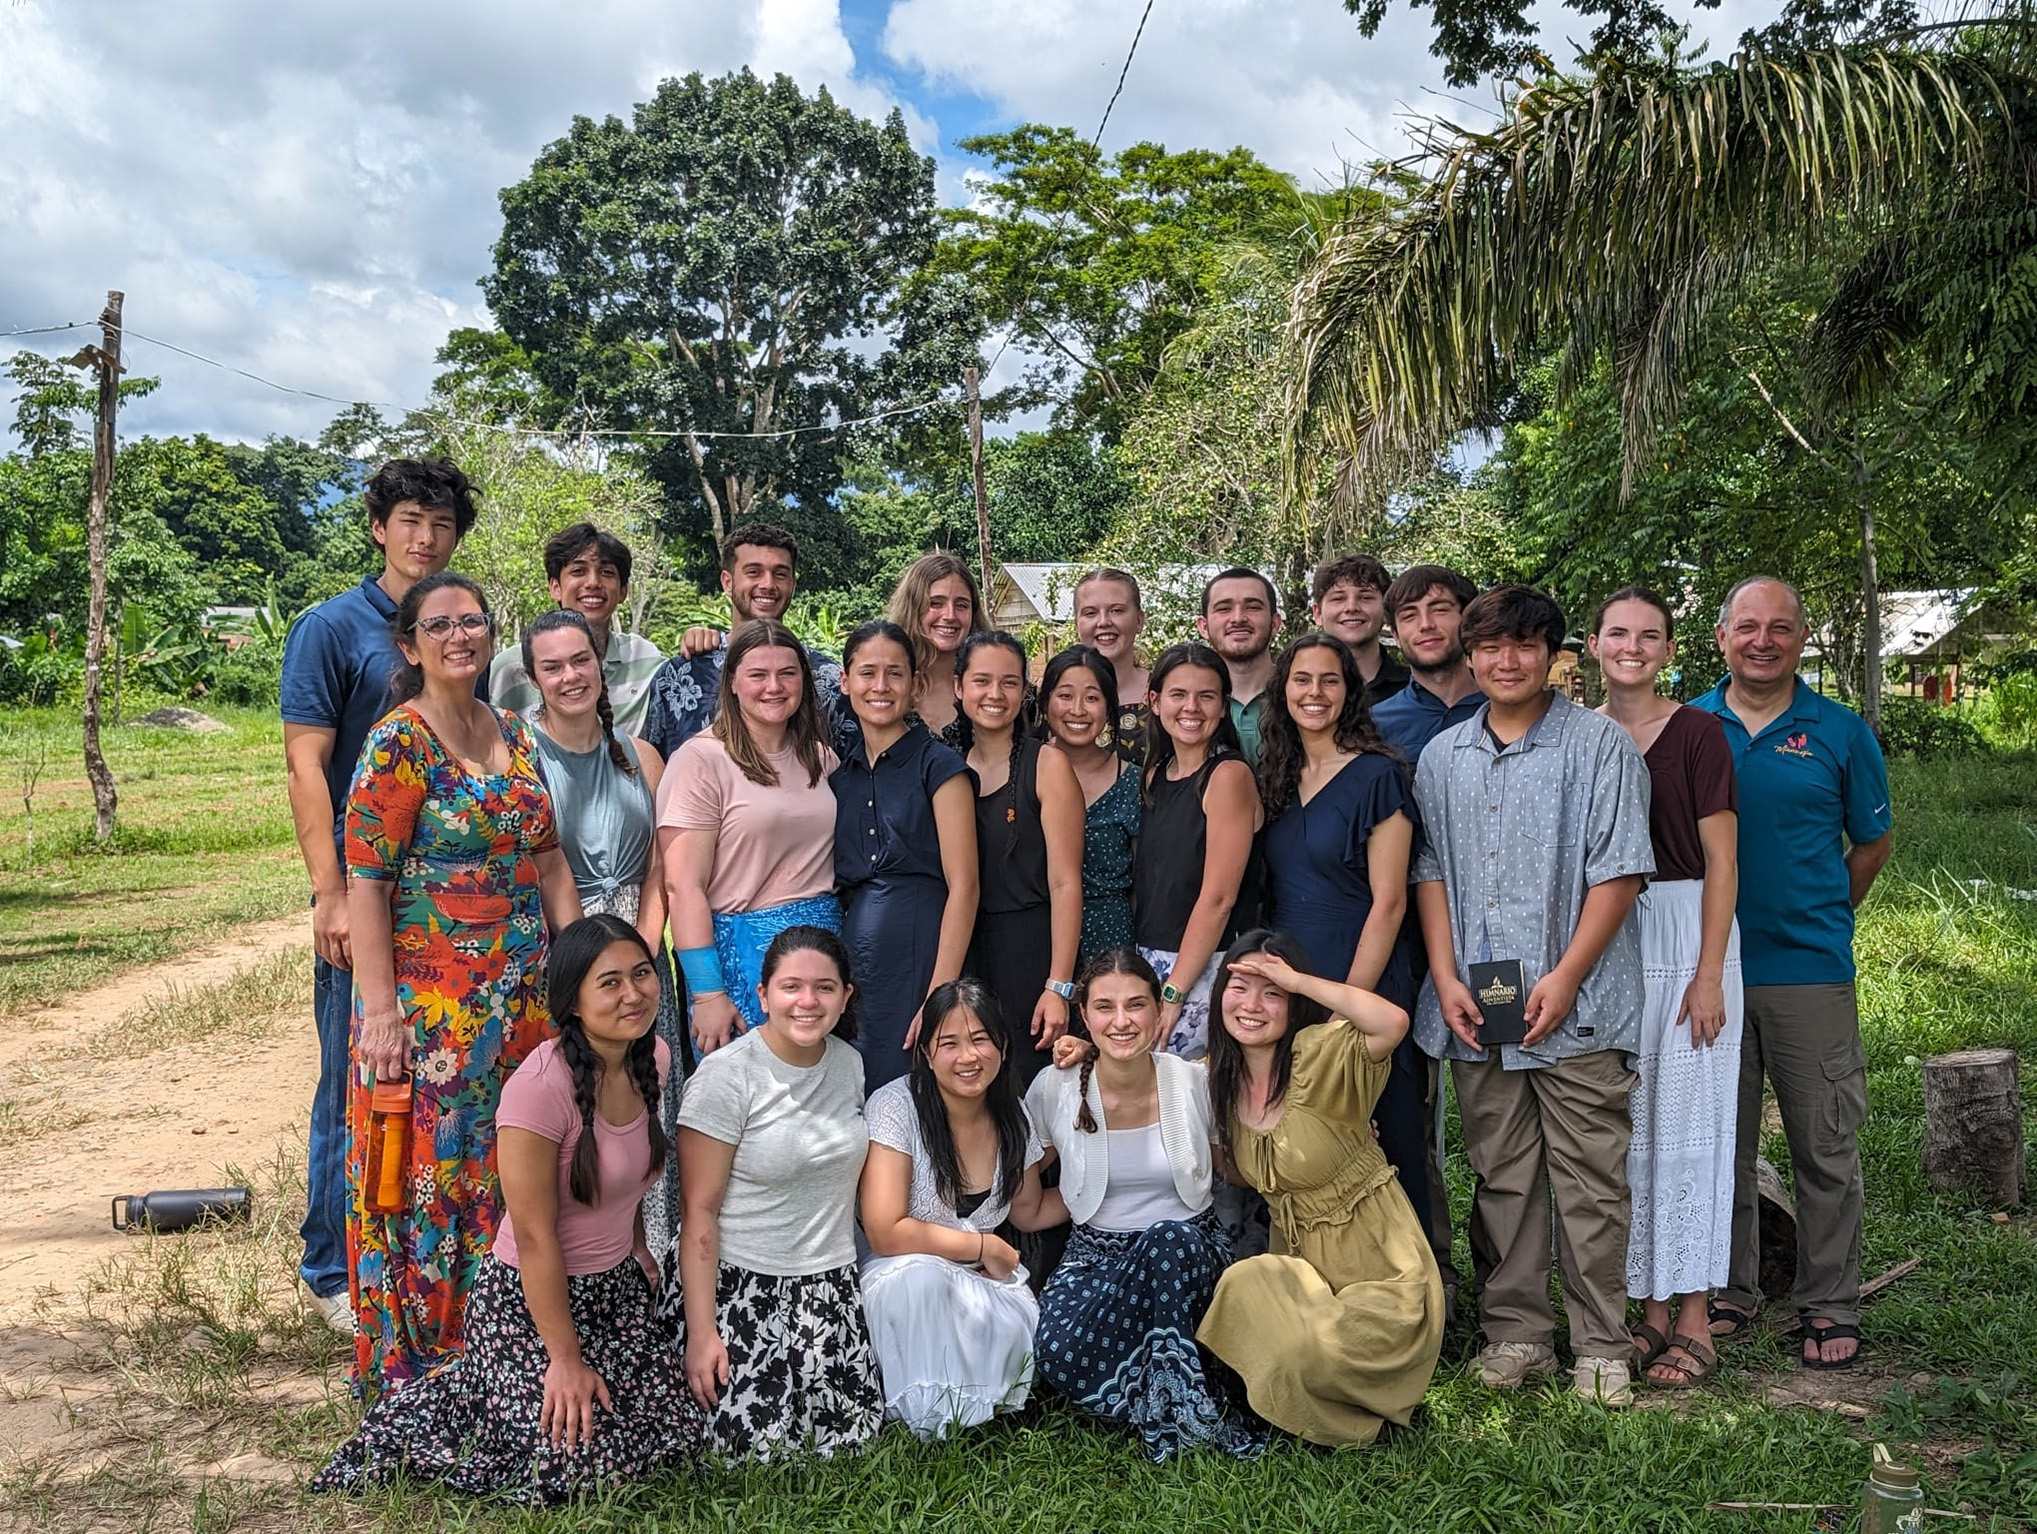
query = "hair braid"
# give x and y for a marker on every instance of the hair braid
(1011, 795)
(606, 712)
(643, 1070)
(584, 1180)
(1084, 1119)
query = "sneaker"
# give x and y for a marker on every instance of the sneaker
(1604, 1380)
(336, 1310)
(1504, 1365)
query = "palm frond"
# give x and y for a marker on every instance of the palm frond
(1609, 214)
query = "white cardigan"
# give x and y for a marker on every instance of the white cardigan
(1052, 1103)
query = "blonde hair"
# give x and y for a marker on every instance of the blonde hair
(915, 589)
(803, 729)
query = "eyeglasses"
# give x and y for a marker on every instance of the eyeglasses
(441, 625)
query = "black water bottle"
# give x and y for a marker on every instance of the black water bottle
(179, 1208)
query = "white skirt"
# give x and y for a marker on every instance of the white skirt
(1680, 1164)
(953, 1345)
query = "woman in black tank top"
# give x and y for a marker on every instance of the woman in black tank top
(1029, 818)
(1196, 843)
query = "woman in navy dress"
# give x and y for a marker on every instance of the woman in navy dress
(905, 851)
(1339, 835)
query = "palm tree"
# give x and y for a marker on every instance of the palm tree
(1608, 215)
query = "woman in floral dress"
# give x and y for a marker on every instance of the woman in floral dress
(455, 873)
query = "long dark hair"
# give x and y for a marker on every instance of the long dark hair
(1281, 757)
(804, 729)
(1098, 665)
(573, 954)
(406, 679)
(803, 939)
(1111, 961)
(1227, 1056)
(565, 618)
(880, 628)
(1021, 735)
(1001, 1100)
(1159, 744)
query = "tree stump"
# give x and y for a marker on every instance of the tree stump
(1778, 1227)
(1973, 1118)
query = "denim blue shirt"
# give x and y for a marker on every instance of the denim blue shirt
(1810, 782)
(1518, 835)
(336, 665)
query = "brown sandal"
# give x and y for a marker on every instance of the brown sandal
(1653, 1346)
(1706, 1363)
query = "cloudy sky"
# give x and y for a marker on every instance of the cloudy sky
(308, 193)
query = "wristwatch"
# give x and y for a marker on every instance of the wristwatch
(1065, 989)
(1171, 996)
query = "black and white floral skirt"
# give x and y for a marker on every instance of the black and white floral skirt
(802, 1375)
(1117, 1336)
(472, 1423)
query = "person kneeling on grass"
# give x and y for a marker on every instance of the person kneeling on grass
(771, 1144)
(567, 1380)
(1132, 1130)
(1336, 1330)
(952, 1156)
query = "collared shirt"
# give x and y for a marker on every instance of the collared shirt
(1518, 834)
(1810, 782)
(627, 668)
(685, 693)
(884, 810)
(1246, 717)
(1414, 716)
(1389, 679)
(336, 665)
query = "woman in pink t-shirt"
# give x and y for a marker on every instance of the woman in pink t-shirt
(567, 1380)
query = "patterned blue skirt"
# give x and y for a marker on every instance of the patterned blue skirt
(1117, 1336)
(740, 938)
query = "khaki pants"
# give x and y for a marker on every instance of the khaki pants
(1564, 1129)
(1807, 1039)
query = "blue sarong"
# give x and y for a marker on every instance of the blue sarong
(741, 937)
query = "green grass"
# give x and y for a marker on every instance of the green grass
(204, 845)
(200, 1333)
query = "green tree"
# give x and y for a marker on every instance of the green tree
(1097, 262)
(736, 259)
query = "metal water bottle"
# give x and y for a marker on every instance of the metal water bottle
(179, 1208)
(1893, 1502)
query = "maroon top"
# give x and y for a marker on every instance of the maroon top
(1690, 773)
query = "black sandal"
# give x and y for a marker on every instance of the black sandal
(1738, 1322)
(1832, 1331)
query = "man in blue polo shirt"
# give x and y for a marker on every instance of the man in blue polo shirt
(335, 688)
(1814, 831)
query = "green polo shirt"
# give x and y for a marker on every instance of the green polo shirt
(1811, 782)
(1246, 717)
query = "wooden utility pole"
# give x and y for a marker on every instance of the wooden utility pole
(976, 469)
(105, 358)
(1870, 592)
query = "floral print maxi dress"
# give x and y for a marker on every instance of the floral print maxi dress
(470, 958)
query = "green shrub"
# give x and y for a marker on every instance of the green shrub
(1912, 727)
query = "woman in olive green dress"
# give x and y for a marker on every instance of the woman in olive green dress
(1335, 1330)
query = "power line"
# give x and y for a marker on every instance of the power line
(1123, 73)
(563, 433)
(43, 330)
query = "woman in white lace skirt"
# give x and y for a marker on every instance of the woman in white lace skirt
(1680, 1161)
(952, 1156)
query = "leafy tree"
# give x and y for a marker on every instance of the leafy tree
(735, 259)
(1098, 262)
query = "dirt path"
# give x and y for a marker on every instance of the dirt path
(79, 1124)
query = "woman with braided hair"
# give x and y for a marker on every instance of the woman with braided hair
(604, 788)
(566, 1381)
(1029, 819)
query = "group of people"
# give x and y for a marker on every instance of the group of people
(1079, 1024)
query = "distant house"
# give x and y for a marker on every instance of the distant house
(1928, 637)
(1024, 594)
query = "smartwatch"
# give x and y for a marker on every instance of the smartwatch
(1065, 989)
(1170, 996)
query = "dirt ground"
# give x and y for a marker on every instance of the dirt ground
(175, 1117)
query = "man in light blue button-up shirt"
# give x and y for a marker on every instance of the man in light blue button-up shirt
(1535, 820)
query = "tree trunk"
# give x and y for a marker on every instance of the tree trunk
(983, 554)
(1870, 597)
(1973, 1125)
(105, 799)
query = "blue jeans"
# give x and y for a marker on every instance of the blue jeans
(324, 1269)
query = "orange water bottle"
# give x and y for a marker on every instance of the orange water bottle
(388, 1177)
